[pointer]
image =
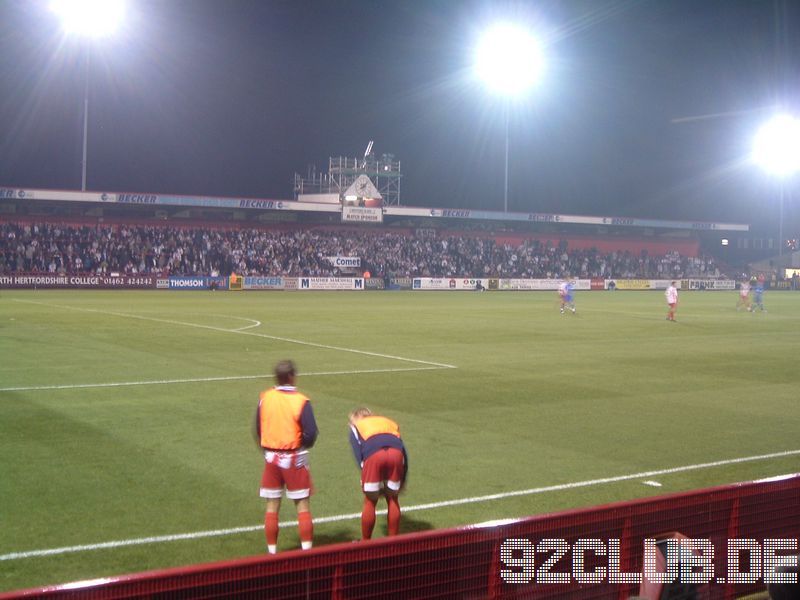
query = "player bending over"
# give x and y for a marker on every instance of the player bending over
(381, 456)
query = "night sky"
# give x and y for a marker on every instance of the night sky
(232, 97)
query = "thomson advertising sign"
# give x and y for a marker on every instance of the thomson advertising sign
(198, 283)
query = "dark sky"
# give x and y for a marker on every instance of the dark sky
(231, 97)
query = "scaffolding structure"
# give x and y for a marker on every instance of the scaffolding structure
(384, 172)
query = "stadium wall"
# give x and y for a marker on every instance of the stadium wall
(480, 561)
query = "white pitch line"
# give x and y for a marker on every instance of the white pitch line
(255, 323)
(205, 379)
(240, 332)
(429, 506)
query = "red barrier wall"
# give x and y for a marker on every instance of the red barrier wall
(466, 562)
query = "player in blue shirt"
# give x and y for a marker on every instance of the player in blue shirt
(565, 289)
(758, 296)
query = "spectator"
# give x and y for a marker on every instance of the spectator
(146, 249)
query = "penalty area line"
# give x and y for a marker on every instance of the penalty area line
(77, 386)
(241, 331)
(418, 507)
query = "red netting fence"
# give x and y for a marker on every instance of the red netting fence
(483, 561)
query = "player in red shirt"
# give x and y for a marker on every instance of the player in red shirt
(381, 456)
(672, 300)
(285, 429)
(744, 295)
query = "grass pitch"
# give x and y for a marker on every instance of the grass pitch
(127, 415)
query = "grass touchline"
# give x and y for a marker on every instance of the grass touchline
(419, 507)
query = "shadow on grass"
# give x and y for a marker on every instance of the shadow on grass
(334, 537)
(407, 525)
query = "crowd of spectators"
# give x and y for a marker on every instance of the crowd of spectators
(139, 249)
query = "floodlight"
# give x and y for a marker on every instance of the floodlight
(89, 18)
(508, 59)
(777, 146)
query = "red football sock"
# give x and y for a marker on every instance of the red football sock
(271, 528)
(367, 519)
(394, 514)
(305, 526)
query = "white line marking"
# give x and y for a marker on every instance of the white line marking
(206, 379)
(417, 507)
(261, 335)
(652, 483)
(257, 324)
(254, 322)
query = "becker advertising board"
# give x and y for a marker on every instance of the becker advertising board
(262, 283)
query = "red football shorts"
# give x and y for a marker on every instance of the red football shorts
(384, 468)
(287, 470)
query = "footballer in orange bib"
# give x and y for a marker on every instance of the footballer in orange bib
(285, 429)
(380, 453)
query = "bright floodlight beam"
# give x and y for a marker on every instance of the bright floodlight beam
(777, 150)
(89, 18)
(508, 60)
(777, 146)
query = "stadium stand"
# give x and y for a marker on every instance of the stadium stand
(74, 248)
